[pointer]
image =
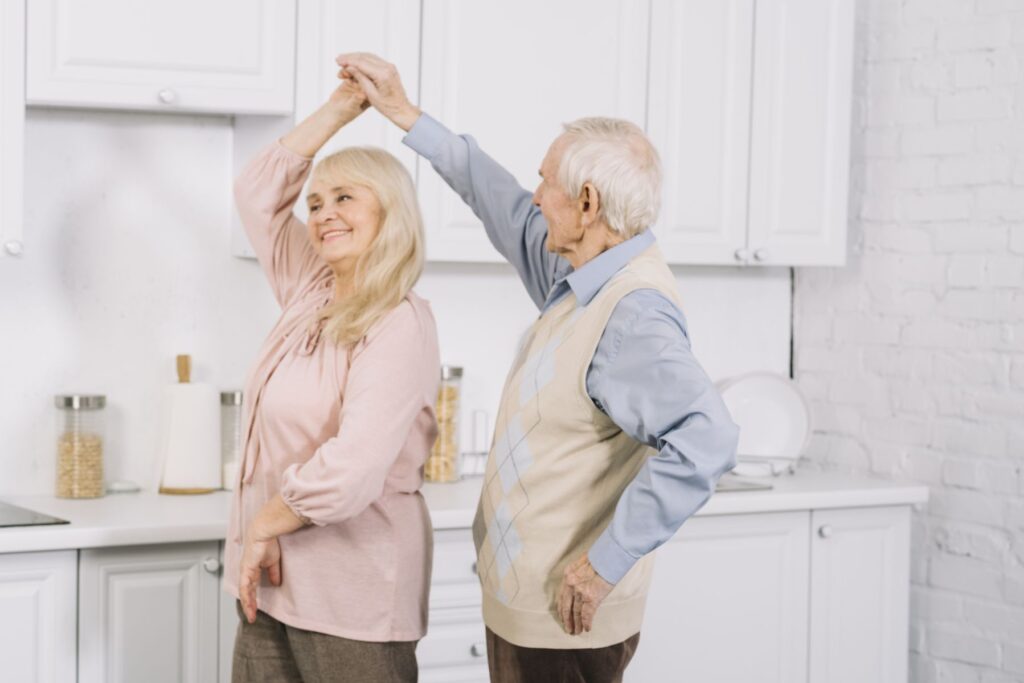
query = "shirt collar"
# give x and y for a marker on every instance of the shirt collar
(588, 280)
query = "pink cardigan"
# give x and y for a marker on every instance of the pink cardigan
(340, 433)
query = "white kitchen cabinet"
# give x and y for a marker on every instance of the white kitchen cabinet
(510, 74)
(149, 613)
(37, 616)
(455, 647)
(800, 132)
(860, 600)
(750, 107)
(728, 602)
(327, 28)
(699, 120)
(12, 124)
(227, 627)
(230, 56)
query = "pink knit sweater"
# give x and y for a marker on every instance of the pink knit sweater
(341, 433)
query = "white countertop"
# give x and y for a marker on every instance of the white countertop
(146, 518)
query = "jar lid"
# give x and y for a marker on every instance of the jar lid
(231, 398)
(80, 401)
(451, 372)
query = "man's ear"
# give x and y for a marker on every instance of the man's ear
(589, 204)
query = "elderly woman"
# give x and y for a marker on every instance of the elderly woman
(340, 418)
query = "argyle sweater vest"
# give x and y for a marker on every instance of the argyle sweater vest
(555, 472)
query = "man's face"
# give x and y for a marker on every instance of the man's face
(561, 211)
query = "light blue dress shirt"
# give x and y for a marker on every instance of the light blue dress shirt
(643, 374)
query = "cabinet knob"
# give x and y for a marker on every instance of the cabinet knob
(742, 254)
(13, 248)
(478, 650)
(211, 564)
(825, 531)
(761, 254)
(167, 96)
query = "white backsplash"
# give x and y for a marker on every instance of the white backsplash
(127, 263)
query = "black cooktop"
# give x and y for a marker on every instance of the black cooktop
(12, 515)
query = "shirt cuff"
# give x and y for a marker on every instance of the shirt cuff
(426, 136)
(609, 559)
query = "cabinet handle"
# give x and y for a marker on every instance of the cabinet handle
(825, 531)
(478, 650)
(13, 248)
(211, 564)
(473, 568)
(761, 255)
(742, 254)
(167, 96)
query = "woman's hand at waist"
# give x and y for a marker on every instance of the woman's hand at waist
(260, 550)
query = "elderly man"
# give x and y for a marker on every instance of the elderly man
(574, 498)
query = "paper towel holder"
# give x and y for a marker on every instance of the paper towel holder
(183, 364)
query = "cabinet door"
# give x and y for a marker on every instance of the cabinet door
(728, 603)
(149, 613)
(390, 28)
(12, 123)
(37, 616)
(510, 74)
(800, 160)
(455, 648)
(699, 120)
(227, 622)
(860, 600)
(230, 56)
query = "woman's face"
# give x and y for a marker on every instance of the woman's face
(344, 219)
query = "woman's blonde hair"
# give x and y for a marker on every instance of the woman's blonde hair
(386, 273)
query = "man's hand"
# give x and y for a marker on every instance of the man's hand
(382, 85)
(582, 591)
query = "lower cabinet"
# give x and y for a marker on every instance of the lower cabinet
(728, 602)
(37, 616)
(788, 597)
(149, 613)
(860, 595)
(454, 649)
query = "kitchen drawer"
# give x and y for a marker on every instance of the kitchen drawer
(455, 643)
(454, 582)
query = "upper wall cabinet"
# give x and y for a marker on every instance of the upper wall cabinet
(12, 123)
(750, 105)
(800, 156)
(497, 72)
(229, 56)
(699, 119)
(327, 28)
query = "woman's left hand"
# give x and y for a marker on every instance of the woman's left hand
(257, 555)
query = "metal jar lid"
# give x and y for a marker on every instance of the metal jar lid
(231, 398)
(80, 401)
(451, 372)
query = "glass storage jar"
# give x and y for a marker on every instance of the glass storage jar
(80, 445)
(443, 463)
(230, 436)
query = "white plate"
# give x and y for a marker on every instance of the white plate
(772, 414)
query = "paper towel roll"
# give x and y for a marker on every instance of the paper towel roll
(191, 439)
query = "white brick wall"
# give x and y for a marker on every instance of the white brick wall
(913, 355)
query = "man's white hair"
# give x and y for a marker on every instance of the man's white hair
(621, 163)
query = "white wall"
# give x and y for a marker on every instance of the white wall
(127, 263)
(913, 355)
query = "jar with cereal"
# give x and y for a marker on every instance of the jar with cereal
(443, 463)
(80, 445)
